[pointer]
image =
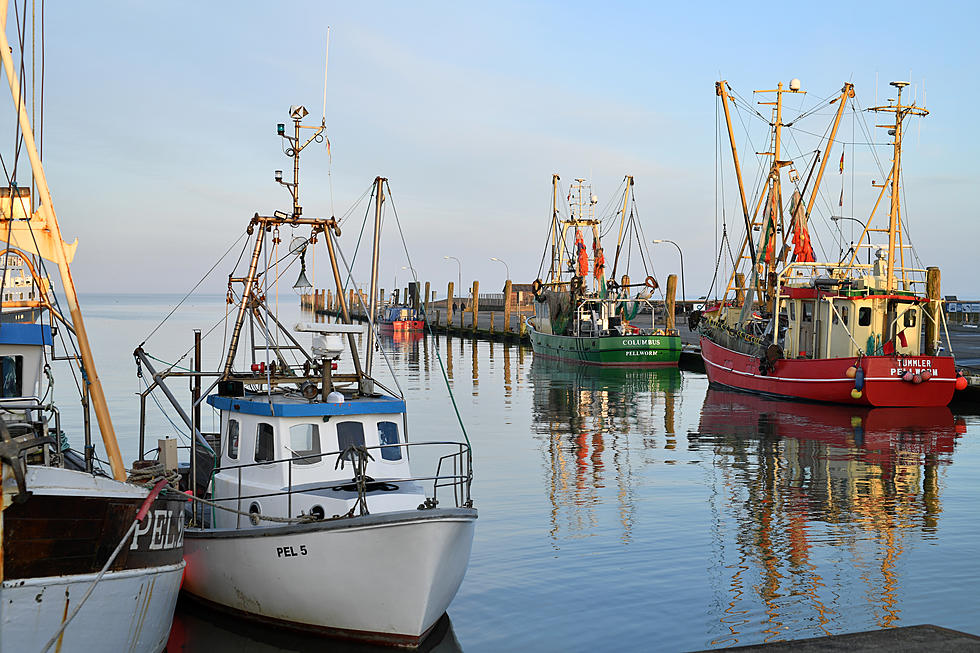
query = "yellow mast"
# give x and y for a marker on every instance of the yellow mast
(622, 224)
(61, 258)
(555, 242)
(894, 213)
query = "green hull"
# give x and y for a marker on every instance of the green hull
(625, 351)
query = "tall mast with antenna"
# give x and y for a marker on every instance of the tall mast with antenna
(894, 213)
(373, 301)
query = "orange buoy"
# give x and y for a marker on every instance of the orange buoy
(851, 372)
(916, 379)
(926, 375)
(961, 383)
(856, 394)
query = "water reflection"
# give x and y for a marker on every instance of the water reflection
(821, 497)
(581, 411)
(199, 629)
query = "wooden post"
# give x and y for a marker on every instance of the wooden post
(397, 295)
(475, 305)
(669, 299)
(507, 295)
(933, 310)
(426, 297)
(491, 322)
(329, 300)
(739, 289)
(449, 305)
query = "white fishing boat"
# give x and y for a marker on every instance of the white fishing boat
(312, 517)
(88, 561)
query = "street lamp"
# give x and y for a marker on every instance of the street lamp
(864, 225)
(683, 292)
(506, 267)
(459, 271)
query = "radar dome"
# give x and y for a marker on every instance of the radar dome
(794, 84)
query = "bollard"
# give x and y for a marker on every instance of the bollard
(669, 306)
(932, 310)
(507, 296)
(475, 305)
(426, 298)
(449, 305)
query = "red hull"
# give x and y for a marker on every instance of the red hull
(882, 431)
(825, 380)
(403, 325)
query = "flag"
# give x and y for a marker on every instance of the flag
(842, 162)
(902, 339)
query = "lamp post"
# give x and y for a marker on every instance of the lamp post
(459, 271)
(864, 226)
(683, 292)
(506, 267)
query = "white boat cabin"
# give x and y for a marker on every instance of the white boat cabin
(280, 457)
(842, 319)
(22, 360)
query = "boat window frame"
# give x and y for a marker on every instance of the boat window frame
(306, 457)
(17, 361)
(258, 438)
(236, 440)
(388, 447)
(341, 446)
(864, 316)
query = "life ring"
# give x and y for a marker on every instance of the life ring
(651, 283)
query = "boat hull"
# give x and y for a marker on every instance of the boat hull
(399, 326)
(55, 542)
(385, 578)
(624, 351)
(825, 380)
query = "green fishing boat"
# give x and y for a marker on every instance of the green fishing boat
(596, 326)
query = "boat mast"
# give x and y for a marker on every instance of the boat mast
(622, 223)
(61, 258)
(373, 302)
(555, 239)
(894, 213)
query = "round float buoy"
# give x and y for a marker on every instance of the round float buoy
(856, 394)
(907, 377)
(917, 379)
(851, 372)
(961, 383)
(926, 375)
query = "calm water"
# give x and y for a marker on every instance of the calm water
(639, 509)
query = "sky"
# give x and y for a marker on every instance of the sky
(160, 144)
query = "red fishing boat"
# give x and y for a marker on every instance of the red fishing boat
(840, 331)
(400, 319)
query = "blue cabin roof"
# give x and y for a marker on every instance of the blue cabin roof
(280, 406)
(16, 333)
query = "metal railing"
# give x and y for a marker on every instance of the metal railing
(459, 481)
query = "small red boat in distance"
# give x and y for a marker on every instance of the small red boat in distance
(400, 319)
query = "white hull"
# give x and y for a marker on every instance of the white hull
(385, 577)
(129, 611)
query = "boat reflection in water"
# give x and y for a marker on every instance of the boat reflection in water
(199, 629)
(584, 416)
(826, 500)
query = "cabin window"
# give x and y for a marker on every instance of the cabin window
(792, 311)
(304, 440)
(388, 435)
(840, 314)
(265, 443)
(12, 371)
(864, 316)
(845, 314)
(350, 434)
(807, 312)
(233, 433)
(910, 317)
